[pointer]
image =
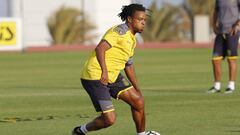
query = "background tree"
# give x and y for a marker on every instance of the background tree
(198, 7)
(68, 26)
(168, 23)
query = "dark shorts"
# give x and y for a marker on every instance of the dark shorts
(101, 94)
(225, 45)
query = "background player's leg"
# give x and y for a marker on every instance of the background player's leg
(217, 70)
(232, 44)
(218, 53)
(232, 66)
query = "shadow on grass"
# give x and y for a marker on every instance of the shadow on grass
(233, 131)
(49, 117)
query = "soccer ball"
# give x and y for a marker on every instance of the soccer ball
(152, 133)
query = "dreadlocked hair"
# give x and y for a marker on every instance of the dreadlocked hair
(129, 10)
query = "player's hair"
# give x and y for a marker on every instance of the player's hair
(129, 10)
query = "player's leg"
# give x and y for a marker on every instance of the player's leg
(123, 90)
(103, 121)
(232, 44)
(136, 101)
(101, 100)
(217, 69)
(232, 63)
(232, 66)
(217, 63)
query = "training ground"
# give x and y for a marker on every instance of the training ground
(40, 93)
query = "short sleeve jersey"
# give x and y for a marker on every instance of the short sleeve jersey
(122, 43)
(227, 14)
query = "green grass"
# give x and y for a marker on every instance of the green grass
(40, 94)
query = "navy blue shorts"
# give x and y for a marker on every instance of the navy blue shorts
(101, 94)
(225, 45)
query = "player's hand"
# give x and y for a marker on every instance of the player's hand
(104, 78)
(235, 29)
(139, 91)
(215, 28)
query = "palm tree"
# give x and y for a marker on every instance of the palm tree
(198, 7)
(165, 24)
(68, 26)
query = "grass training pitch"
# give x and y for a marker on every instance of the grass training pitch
(41, 94)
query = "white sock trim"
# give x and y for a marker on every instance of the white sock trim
(142, 133)
(231, 85)
(84, 129)
(217, 85)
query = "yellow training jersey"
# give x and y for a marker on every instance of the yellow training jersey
(122, 43)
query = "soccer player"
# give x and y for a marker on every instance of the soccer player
(226, 26)
(101, 76)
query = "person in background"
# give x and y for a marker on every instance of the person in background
(226, 25)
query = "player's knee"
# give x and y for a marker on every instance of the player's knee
(139, 103)
(110, 120)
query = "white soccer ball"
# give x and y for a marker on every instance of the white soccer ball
(152, 133)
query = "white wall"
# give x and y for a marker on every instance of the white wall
(35, 14)
(4, 8)
(201, 29)
(103, 13)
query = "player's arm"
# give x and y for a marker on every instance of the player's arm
(100, 50)
(215, 21)
(236, 26)
(130, 73)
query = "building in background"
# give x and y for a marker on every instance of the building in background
(5, 7)
(10, 28)
(104, 14)
(34, 15)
